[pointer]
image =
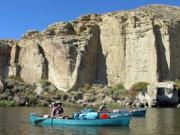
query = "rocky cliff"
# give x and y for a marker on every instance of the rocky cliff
(119, 47)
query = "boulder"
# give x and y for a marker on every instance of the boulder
(39, 89)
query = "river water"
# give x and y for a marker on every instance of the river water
(158, 121)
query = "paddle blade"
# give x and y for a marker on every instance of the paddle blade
(39, 121)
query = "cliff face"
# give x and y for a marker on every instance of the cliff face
(65, 54)
(127, 47)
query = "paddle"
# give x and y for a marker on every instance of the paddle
(40, 120)
(52, 120)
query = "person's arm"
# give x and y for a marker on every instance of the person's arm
(100, 109)
(52, 112)
(62, 111)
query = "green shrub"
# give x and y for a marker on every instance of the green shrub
(90, 97)
(139, 86)
(6, 103)
(87, 86)
(117, 92)
(76, 95)
(18, 78)
(117, 89)
(44, 83)
(177, 82)
(21, 88)
(64, 97)
(32, 99)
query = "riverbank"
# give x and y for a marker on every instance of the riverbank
(15, 92)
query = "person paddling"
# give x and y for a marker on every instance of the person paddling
(57, 111)
(103, 108)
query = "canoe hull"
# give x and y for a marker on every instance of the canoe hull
(139, 113)
(119, 121)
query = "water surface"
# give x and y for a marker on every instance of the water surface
(162, 121)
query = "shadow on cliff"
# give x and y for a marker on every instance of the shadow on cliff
(162, 65)
(46, 63)
(174, 45)
(101, 69)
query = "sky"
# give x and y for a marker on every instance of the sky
(19, 16)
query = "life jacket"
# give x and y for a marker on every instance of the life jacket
(58, 111)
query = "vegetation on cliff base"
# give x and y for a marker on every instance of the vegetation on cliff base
(44, 83)
(139, 86)
(118, 91)
(177, 82)
(6, 103)
(18, 93)
(17, 78)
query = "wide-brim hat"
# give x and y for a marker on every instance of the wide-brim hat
(58, 102)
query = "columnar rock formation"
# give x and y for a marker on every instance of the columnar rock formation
(119, 47)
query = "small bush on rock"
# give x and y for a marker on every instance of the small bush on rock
(140, 86)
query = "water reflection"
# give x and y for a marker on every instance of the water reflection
(161, 121)
(79, 130)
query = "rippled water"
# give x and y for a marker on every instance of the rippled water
(163, 121)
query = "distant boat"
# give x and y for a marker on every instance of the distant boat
(120, 120)
(139, 112)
